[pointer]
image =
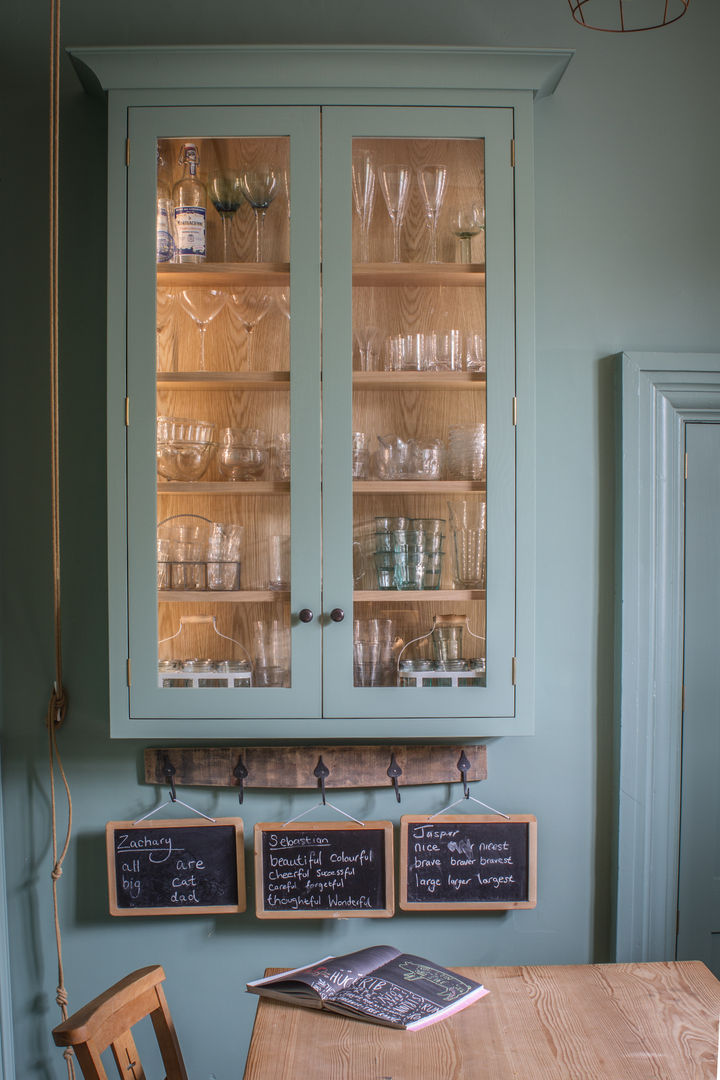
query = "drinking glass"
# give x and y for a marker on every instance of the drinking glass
(469, 535)
(251, 306)
(475, 352)
(395, 184)
(363, 188)
(226, 195)
(467, 222)
(260, 186)
(432, 180)
(368, 340)
(202, 305)
(167, 346)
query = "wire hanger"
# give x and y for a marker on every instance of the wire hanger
(463, 768)
(321, 771)
(169, 771)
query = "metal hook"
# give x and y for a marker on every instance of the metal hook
(240, 772)
(394, 771)
(169, 771)
(464, 767)
(321, 771)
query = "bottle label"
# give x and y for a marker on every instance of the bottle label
(165, 244)
(190, 230)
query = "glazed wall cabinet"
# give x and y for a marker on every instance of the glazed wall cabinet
(320, 390)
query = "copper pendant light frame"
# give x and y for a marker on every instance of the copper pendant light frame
(578, 13)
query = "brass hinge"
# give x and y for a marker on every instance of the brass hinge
(127, 151)
(514, 670)
(127, 412)
(129, 674)
(514, 411)
(512, 153)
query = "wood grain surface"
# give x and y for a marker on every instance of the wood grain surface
(654, 1021)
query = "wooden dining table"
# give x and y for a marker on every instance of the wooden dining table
(643, 1021)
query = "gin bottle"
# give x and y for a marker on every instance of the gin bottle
(190, 203)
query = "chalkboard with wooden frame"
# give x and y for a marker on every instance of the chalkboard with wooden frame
(324, 870)
(176, 867)
(468, 862)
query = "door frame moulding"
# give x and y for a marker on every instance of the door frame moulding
(659, 394)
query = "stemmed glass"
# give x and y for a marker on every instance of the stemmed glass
(431, 181)
(363, 188)
(395, 184)
(252, 306)
(167, 300)
(260, 186)
(466, 223)
(226, 195)
(202, 305)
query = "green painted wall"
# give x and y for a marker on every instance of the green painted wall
(627, 258)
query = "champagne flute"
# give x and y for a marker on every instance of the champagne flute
(251, 306)
(363, 187)
(431, 181)
(202, 305)
(395, 184)
(226, 195)
(467, 222)
(260, 186)
(167, 301)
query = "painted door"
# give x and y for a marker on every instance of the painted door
(223, 377)
(699, 877)
(418, 435)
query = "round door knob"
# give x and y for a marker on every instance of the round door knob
(305, 615)
(337, 614)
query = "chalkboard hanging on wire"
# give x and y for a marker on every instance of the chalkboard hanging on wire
(324, 870)
(468, 862)
(178, 867)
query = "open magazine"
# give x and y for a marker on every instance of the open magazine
(379, 984)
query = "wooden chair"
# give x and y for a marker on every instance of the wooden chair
(107, 1022)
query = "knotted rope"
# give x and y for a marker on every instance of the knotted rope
(57, 706)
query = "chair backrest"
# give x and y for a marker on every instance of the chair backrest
(107, 1022)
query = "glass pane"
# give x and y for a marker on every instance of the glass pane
(419, 412)
(223, 413)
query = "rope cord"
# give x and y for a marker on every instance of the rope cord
(57, 706)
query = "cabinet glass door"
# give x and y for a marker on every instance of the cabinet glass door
(223, 387)
(418, 319)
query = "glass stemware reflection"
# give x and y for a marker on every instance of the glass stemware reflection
(251, 306)
(395, 184)
(167, 301)
(226, 195)
(431, 181)
(363, 189)
(260, 186)
(467, 222)
(202, 305)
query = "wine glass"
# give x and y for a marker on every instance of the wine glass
(202, 305)
(226, 195)
(431, 181)
(363, 188)
(252, 306)
(167, 300)
(260, 186)
(466, 223)
(395, 184)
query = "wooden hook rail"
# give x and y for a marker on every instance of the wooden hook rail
(293, 766)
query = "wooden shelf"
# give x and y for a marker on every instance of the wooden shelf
(411, 596)
(223, 487)
(242, 596)
(417, 487)
(389, 274)
(418, 380)
(212, 275)
(223, 380)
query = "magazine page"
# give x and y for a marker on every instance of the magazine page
(408, 991)
(329, 976)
